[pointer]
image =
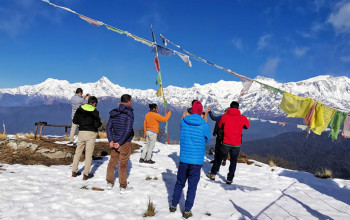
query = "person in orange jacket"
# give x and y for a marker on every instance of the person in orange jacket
(151, 129)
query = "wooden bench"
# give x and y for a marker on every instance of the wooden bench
(42, 124)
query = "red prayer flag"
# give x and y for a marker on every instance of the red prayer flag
(156, 64)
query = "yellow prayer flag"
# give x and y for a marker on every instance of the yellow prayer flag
(160, 91)
(317, 118)
(295, 106)
(328, 114)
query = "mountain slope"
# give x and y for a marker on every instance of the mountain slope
(331, 91)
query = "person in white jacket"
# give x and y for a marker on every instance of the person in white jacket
(77, 100)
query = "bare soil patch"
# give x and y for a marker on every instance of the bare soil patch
(25, 157)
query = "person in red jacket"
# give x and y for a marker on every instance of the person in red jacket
(233, 124)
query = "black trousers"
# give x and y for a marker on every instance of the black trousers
(223, 152)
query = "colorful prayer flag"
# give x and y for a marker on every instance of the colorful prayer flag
(162, 51)
(160, 91)
(335, 124)
(185, 58)
(90, 20)
(327, 114)
(346, 129)
(164, 40)
(247, 83)
(156, 64)
(159, 79)
(295, 106)
(114, 29)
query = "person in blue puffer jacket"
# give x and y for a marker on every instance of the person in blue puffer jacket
(195, 133)
(119, 133)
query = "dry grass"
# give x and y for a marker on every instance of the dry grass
(29, 136)
(97, 189)
(155, 178)
(101, 135)
(26, 136)
(324, 174)
(3, 136)
(137, 138)
(271, 163)
(278, 161)
(242, 158)
(150, 209)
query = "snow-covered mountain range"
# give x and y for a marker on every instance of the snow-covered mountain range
(331, 91)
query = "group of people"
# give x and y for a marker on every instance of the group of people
(195, 133)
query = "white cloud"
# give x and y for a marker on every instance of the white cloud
(340, 18)
(19, 16)
(263, 41)
(345, 59)
(301, 51)
(237, 42)
(269, 68)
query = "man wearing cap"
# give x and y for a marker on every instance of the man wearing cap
(77, 100)
(195, 133)
(151, 129)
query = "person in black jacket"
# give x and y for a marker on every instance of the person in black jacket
(88, 119)
(119, 133)
(219, 135)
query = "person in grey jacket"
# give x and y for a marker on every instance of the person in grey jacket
(77, 100)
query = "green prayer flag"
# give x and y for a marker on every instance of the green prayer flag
(159, 79)
(114, 29)
(335, 124)
(270, 88)
(165, 104)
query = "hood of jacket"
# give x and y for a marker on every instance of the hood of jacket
(121, 109)
(86, 110)
(233, 112)
(194, 120)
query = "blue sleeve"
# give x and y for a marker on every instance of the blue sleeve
(109, 130)
(207, 133)
(128, 130)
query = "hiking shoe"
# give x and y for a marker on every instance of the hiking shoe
(186, 215)
(223, 163)
(228, 182)
(89, 176)
(141, 160)
(172, 209)
(126, 189)
(109, 186)
(149, 161)
(211, 176)
(75, 174)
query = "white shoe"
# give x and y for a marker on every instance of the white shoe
(126, 190)
(109, 186)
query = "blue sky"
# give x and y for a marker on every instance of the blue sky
(288, 40)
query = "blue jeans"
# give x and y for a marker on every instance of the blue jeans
(192, 173)
(234, 152)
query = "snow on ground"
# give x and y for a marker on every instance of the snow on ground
(40, 192)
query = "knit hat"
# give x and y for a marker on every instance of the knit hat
(197, 108)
